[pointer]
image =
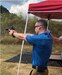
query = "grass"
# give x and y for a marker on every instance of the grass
(7, 52)
(7, 68)
(10, 68)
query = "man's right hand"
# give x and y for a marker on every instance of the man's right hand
(11, 32)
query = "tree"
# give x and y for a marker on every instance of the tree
(3, 10)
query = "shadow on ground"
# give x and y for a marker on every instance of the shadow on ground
(26, 58)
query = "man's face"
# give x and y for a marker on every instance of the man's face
(37, 27)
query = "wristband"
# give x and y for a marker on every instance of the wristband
(13, 34)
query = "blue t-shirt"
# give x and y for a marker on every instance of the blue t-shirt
(42, 46)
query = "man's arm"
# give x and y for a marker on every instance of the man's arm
(18, 35)
(56, 39)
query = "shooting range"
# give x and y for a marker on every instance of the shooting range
(21, 60)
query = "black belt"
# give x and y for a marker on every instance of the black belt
(39, 68)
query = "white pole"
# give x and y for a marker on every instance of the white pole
(18, 72)
(47, 24)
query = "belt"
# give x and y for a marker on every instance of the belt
(39, 68)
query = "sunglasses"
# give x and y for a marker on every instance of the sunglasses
(37, 26)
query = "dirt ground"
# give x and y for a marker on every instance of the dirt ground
(10, 57)
(26, 68)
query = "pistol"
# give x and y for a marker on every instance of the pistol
(11, 28)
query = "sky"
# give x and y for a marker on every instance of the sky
(17, 6)
(9, 3)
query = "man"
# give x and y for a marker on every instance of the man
(56, 39)
(42, 46)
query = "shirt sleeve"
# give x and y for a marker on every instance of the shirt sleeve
(31, 39)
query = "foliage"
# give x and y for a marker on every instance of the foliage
(8, 20)
(3, 9)
(56, 27)
(18, 22)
